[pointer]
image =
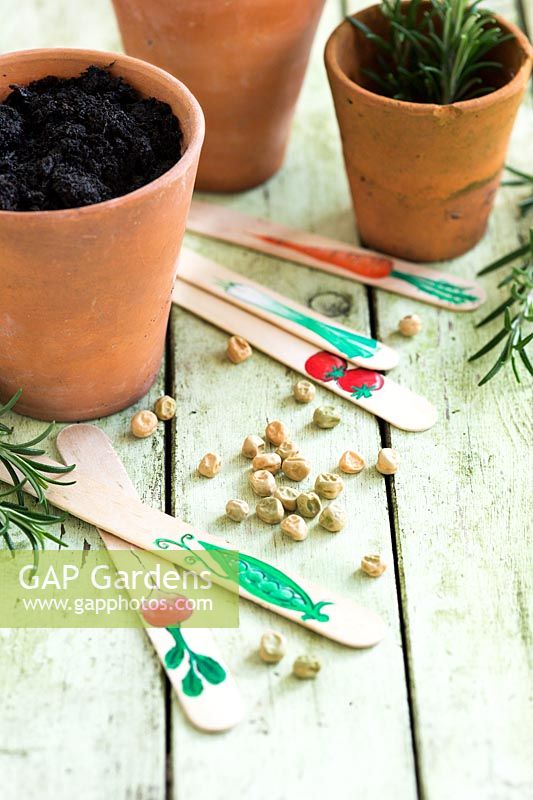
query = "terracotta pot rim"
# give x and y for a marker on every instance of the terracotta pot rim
(180, 168)
(476, 104)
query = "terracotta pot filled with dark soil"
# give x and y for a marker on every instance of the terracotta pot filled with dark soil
(98, 158)
(422, 175)
(244, 60)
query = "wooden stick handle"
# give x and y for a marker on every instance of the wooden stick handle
(367, 389)
(364, 266)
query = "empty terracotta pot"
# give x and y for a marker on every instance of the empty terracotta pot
(85, 292)
(422, 176)
(245, 62)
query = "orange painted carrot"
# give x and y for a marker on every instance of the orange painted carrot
(369, 266)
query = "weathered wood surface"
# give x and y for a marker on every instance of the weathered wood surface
(86, 712)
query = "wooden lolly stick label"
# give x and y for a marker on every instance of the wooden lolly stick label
(366, 388)
(211, 701)
(365, 266)
(287, 314)
(295, 598)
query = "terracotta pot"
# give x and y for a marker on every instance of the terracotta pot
(85, 292)
(244, 60)
(422, 176)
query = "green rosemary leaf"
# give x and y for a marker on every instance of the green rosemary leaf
(506, 259)
(488, 347)
(496, 313)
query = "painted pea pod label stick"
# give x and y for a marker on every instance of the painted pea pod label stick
(365, 266)
(195, 668)
(368, 389)
(118, 513)
(287, 314)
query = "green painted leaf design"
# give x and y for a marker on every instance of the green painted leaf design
(444, 290)
(268, 583)
(210, 669)
(174, 657)
(191, 684)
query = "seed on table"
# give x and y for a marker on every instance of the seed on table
(238, 349)
(373, 566)
(276, 432)
(333, 518)
(304, 391)
(252, 446)
(296, 467)
(351, 462)
(237, 510)
(287, 449)
(287, 497)
(272, 647)
(388, 461)
(308, 504)
(410, 325)
(295, 527)
(326, 417)
(270, 510)
(210, 465)
(165, 408)
(143, 424)
(263, 483)
(329, 485)
(269, 461)
(306, 667)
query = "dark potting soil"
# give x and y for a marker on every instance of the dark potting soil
(72, 142)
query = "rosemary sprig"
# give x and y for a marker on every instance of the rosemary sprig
(523, 179)
(19, 460)
(514, 333)
(436, 55)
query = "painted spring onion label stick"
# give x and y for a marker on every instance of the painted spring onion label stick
(375, 393)
(283, 312)
(394, 275)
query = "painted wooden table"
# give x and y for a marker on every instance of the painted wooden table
(440, 709)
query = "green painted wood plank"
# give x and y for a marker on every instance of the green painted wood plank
(349, 731)
(83, 712)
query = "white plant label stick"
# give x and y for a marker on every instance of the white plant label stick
(287, 314)
(365, 266)
(368, 389)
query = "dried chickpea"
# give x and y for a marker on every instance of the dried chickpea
(373, 566)
(287, 497)
(326, 417)
(410, 325)
(304, 391)
(165, 408)
(333, 518)
(210, 465)
(287, 449)
(296, 467)
(143, 424)
(351, 462)
(306, 667)
(269, 461)
(329, 485)
(263, 483)
(308, 504)
(252, 446)
(295, 527)
(270, 510)
(272, 647)
(388, 461)
(276, 432)
(238, 349)
(237, 510)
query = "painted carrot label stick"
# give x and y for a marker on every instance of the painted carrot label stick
(376, 268)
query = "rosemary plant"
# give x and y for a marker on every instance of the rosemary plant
(521, 179)
(517, 311)
(434, 53)
(19, 461)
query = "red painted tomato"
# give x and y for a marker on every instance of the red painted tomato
(166, 612)
(325, 366)
(361, 382)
